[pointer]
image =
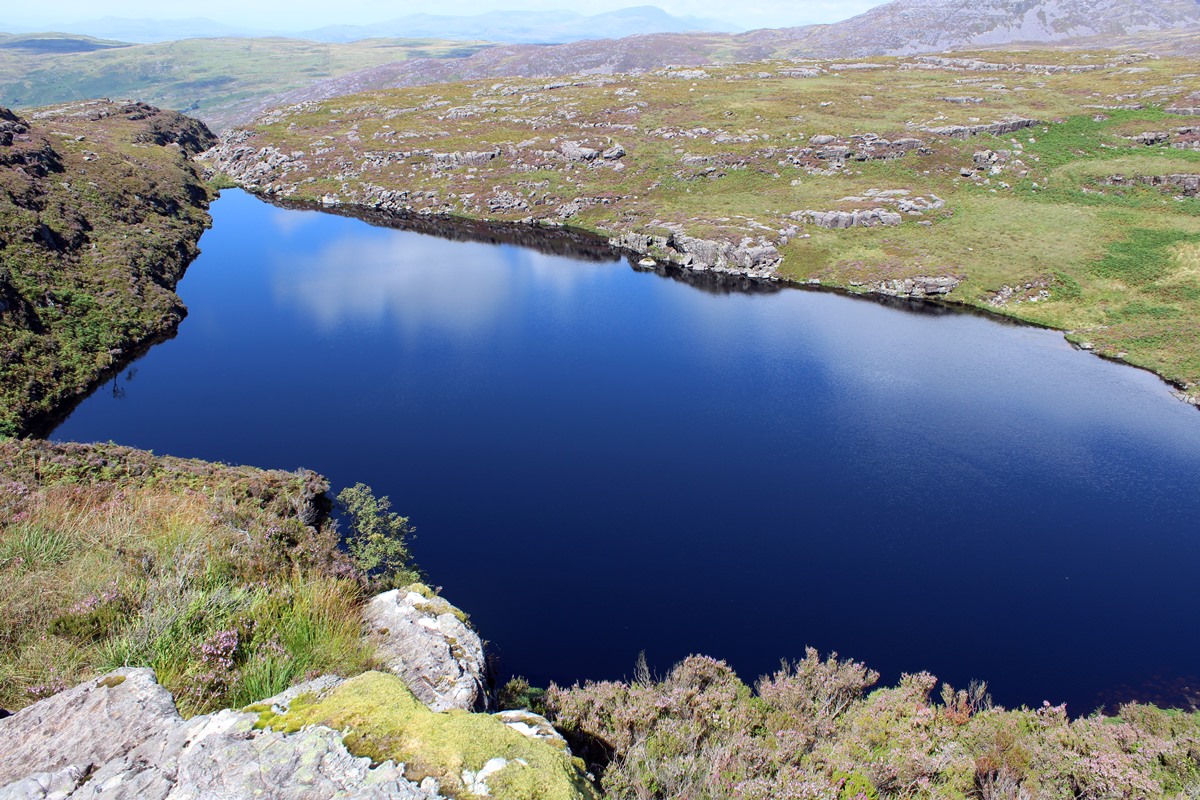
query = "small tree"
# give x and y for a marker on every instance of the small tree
(377, 538)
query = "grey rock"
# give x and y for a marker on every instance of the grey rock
(426, 642)
(918, 287)
(506, 201)
(613, 153)
(995, 128)
(534, 726)
(1187, 185)
(122, 711)
(574, 151)
(1151, 138)
(120, 738)
(838, 220)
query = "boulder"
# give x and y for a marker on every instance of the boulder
(427, 642)
(574, 151)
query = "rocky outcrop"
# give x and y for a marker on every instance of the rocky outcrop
(921, 286)
(837, 220)
(574, 151)
(426, 641)
(994, 128)
(1187, 185)
(755, 259)
(120, 736)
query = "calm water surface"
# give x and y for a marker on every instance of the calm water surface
(601, 461)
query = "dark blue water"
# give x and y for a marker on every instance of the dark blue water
(601, 461)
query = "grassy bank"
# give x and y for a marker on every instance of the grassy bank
(228, 581)
(1070, 219)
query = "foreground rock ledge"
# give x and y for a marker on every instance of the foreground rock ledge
(120, 736)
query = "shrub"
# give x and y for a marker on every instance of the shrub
(378, 538)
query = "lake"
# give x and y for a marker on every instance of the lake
(601, 461)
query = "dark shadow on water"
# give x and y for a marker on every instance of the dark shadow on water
(565, 242)
(42, 425)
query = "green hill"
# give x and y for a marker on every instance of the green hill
(208, 78)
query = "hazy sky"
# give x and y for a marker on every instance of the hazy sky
(302, 14)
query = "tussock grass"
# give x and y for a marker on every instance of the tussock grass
(227, 581)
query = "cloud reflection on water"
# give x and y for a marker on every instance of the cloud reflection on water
(411, 281)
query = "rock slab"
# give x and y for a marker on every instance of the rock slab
(120, 737)
(427, 642)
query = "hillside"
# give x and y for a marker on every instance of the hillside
(902, 27)
(211, 79)
(1061, 192)
(100, 211)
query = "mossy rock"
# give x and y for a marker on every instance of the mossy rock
(383, 721)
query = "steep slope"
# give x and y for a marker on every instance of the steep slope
(100, 212)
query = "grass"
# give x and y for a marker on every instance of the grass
(227, 581)
(727, 157)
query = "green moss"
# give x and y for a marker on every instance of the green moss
(385, 722)
(112, 681)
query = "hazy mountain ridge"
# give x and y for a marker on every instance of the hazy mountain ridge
(511, 27)
(902, 27)
(543, 27)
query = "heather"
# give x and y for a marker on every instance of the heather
(228, 581)
(818, 729)
(100, 212)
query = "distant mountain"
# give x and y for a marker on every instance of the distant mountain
(904, 27)
(542, 27)
(156, 30)
(536, 27)
(901, 27)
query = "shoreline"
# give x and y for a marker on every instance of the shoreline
(594, 245)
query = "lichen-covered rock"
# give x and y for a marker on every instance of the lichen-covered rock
(427, 642)
(120, 737)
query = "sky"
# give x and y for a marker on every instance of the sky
(306, 14)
